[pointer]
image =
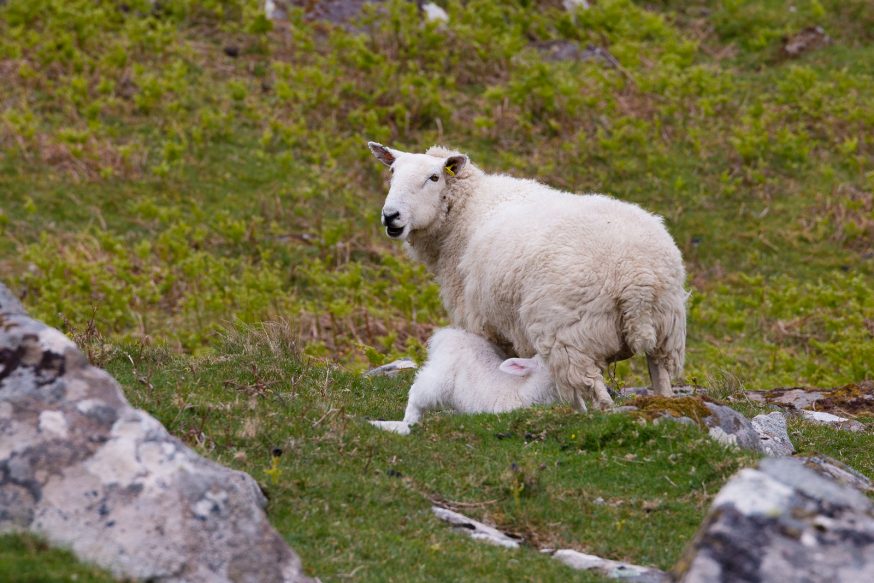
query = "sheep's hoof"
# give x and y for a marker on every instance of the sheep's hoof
(400, 427)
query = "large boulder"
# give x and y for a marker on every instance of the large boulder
(783, 522)
(83, 469)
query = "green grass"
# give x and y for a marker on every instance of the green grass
(162, 200)
(26, 559)
(346, 485)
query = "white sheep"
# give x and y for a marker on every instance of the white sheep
(469, 374)
(580, 280)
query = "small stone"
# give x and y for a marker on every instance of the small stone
(773, 434)
(392, 368)
(824, 418)
(573, 5)
(609, 568)
(275, 9)
(434, 13)
(475, 529)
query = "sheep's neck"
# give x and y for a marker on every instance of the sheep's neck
(441, 250)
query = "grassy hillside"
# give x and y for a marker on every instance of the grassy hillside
(176, 174)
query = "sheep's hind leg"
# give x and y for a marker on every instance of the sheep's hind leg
(661, 380)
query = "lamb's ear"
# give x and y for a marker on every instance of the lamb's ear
(520, 367)
(454, 165)
(385, 155)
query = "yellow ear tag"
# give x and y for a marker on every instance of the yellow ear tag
(449, 171)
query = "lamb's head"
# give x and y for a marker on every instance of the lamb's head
(418, 196)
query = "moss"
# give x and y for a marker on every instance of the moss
(854, 398)
(652, 407)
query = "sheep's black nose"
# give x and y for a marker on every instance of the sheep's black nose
(388, 217)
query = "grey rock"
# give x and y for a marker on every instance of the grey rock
(610, 569)
(666, 417)
(635, 392)
(731, 428)
(573, 5)
(574, 559)
(340, 12)
(475, 529)
(681, 391)
(837, 471)
(823, 418)
(83, 469)
(773, 433)
(392, 368)
(798, 398)
(783, 522)
(434, 13)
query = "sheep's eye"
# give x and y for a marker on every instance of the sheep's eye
(434, 178)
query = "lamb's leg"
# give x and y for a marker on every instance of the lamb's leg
(411, 415)
(394, 426)
(661, 380)
(413, 412)
(423, 396)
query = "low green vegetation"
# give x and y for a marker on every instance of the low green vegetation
(187, 193)
(26, 559)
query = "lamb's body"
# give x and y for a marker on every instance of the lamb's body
(469, 374)
(581, 280)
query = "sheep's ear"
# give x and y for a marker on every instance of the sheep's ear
(454, 165)
(385, 155)
(520, 367)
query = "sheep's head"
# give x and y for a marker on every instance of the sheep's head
(417, 197)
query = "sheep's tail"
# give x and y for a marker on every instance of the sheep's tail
(655, 323)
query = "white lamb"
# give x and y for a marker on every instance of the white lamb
(467, 373)
(580, 280)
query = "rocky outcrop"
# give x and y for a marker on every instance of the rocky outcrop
(832, 406)
(721, 422)
(783, 522)
(83, 469)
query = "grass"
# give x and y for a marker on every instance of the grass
(346, 485)
(206, 227)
